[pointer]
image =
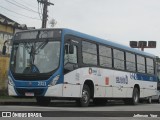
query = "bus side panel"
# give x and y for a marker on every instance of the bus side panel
(104, 82)
(121, 84)
(70, 90)
(98, 76)
(54, 91)
(101, 79)
(100, 91)
(72, 85)
(148, 88)
(129, 92)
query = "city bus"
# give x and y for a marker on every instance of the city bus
(65, 64)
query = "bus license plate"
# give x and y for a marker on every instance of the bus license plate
(29, 94)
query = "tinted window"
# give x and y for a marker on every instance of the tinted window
(89, 53)
(130, 62)
(118, 59)
(105, 56)
(140, 64)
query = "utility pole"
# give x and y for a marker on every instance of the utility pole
(44, 17)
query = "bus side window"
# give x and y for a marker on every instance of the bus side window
(70, 58)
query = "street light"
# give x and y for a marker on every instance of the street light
(143, 44)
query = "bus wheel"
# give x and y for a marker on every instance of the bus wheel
(149, 100)
(158, 101)
(43, 101)
(135, 96)
(85, 99)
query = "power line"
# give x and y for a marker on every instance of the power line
(39, 11)
(21, 6)
(24, 5)
(24, 1)
(18, 13)
(41, 7)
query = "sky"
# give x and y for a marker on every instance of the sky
(119, 21)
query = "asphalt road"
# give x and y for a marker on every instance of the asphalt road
(69, 111)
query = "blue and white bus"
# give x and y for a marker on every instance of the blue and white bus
(62, 63)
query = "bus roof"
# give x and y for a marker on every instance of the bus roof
(106, 42)
(96, 39)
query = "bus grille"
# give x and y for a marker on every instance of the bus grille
(37, 92)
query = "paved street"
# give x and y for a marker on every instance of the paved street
(71, 106)
(69, 109)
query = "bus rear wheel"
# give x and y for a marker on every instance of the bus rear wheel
(149, 100)
(158, 100)
(43, 101)
(85, 99)
(135, 98)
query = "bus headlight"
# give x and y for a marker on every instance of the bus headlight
(10, 81)
(54, 81)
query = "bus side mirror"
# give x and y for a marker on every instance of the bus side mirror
(66, 49)
(4, 50)
(71, 49)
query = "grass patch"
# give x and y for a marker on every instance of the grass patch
(6, 97)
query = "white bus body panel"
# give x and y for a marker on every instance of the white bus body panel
(107, 83)
(11, 91)
(55, 91)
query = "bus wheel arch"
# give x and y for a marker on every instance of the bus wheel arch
(135, 96)
(90, 84)
(87, 94)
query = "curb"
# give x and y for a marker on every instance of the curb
(30, 102)
(17, 103)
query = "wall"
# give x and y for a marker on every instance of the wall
(4, 64)
(6, 32)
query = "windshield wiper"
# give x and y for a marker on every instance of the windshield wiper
(41, 46)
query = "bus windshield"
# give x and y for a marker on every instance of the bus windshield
(35, 56)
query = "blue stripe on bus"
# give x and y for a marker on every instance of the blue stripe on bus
(144, 77)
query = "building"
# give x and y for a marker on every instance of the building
(7, 29)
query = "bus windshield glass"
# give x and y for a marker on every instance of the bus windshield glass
(40, 53)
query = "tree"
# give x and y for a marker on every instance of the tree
(53, 22)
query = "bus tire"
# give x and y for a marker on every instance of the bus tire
(149, 100)
(85, 99)
(158, 101)
(43, 101)
(135, 96)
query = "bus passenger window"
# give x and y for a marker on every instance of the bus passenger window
(89, 53)
(150, 66)
(130, 62)
(140, 64)
(105, 56)
(118, 59)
